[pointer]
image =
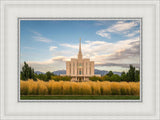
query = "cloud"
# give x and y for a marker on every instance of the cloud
(70, 45)
(53, 64)
(59, 58)
(42, 39)
(105, 54)
(132, 53)
(49, 61)
(51, 48)
(36, 33)
(103, 33)
(119, 65)
(132, 34)
(121, 27)
(38, 37)
(102, 52)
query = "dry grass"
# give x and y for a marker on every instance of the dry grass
(52, 87)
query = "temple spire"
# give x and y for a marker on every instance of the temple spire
(80, 53)
(80, 45)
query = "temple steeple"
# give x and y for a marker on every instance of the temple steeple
(80, 69)
(80, 52)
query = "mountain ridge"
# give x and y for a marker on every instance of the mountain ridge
(96, 71)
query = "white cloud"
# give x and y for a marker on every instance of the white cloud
(132, 34)
(49, 61)
(100, 50)
(42, 39)
(36, 33)
(103, 33)
(103, 53)
(69, 45)
(52, 48)
(38, 37)
(121, 27)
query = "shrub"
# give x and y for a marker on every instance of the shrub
(67, 89)
(42, 88)
(55, 88)
(135, 88)
(106, 88)
(95, 86)
(24, 88)
(125, 88)
(32, 87)
(115, 88)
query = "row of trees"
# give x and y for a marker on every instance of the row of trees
(132, 75)
(28, 73)
(51, 76)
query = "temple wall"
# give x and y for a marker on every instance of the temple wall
(80, 69)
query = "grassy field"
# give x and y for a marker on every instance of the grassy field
(90, 88)
(109, 97)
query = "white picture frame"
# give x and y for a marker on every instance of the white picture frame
(147, 108)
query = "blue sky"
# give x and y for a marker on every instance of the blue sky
(47, 44)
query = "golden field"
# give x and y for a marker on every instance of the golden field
(52, 87)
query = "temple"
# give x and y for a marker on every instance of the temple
(80, 69)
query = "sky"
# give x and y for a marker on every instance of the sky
(46, 45)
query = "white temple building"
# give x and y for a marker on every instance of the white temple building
(80, 69)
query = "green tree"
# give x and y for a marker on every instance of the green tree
(123, 73)
(42, 77)
(49, 74)
(94, 78)
(110, 73)
(115, 78)
(137, 75)
(27, 72)
(124, 76)
(106, 78)
(60, 78)
(131, 73)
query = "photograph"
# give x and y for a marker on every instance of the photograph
(80, 59)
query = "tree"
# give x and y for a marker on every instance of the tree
(137, 75)
(105, 78)
(115, 78)
(124, 76)
(133, 74)
(49, 74)
(110, 73)
(60, 78)
(42, 77)
(123, 73)
(27, 72)
(94, 78)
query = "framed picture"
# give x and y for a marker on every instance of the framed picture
(71, 76)
(80, 60)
